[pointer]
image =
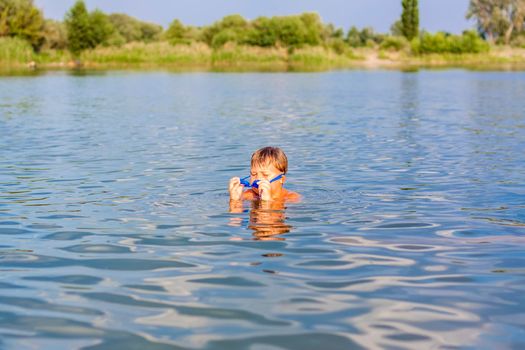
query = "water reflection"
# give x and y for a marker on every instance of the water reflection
(267, 220)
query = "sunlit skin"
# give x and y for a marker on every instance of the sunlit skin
(267, 191)
(267, 218)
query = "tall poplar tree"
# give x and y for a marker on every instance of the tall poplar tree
(410, 19)
(78, 28)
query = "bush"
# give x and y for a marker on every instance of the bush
(394, 43)
(472, 42)
(468, 42)
(224, 36)
(518, 41)
(338, 45)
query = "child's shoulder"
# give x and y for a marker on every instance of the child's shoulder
(293, 196)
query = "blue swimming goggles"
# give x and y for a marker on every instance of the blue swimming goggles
(246, 183)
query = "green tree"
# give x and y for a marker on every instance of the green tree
(290, 30)
(353, 38)
(262, 33)
(20, 18)
(100, 28)
(150, 31)
(128, 29)
(363, 37)
(126, 26)
(78, 28)
(314, 28)
(233, 26)
(410, 19)
(368, 37)
(396, 29)
(176, 33)
(55, 35)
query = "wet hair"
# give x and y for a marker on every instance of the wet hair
(270, 155)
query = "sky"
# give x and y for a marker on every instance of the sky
(435, 15)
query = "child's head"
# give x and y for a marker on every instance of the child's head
(270, 156)
(268, 163)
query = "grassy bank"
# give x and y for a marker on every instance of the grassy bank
(17, 54)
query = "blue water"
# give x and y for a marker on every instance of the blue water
(116, 232)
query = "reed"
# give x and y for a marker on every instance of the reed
(15, 52)
(157, 53)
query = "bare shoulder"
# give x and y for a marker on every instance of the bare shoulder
(293, 197)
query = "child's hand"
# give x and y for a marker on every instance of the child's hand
(265, 190)
(235, 189)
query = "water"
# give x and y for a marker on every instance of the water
(116, 232)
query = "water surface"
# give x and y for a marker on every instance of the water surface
(116, 232)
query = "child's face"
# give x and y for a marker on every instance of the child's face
(266, 172)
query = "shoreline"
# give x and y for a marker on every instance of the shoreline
(249, 59)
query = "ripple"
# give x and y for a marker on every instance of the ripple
(404, 225)
(390, 322)
(306, 341)
(40, 261)
(7, 285)
(133, 264)
(193, 311)
(9, 223)
(358, 241)
(13, 231)
(70, 330)
(67, 279)
(500, 221)
(44, 226)
(376, 283)
(60, 216)
(145, 287)
(36, 304)
(322, 264)
(68, 235)
(227, 281)
(97, 248)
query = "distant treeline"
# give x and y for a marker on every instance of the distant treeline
(498, 21)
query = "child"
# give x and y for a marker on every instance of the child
(267, 176)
